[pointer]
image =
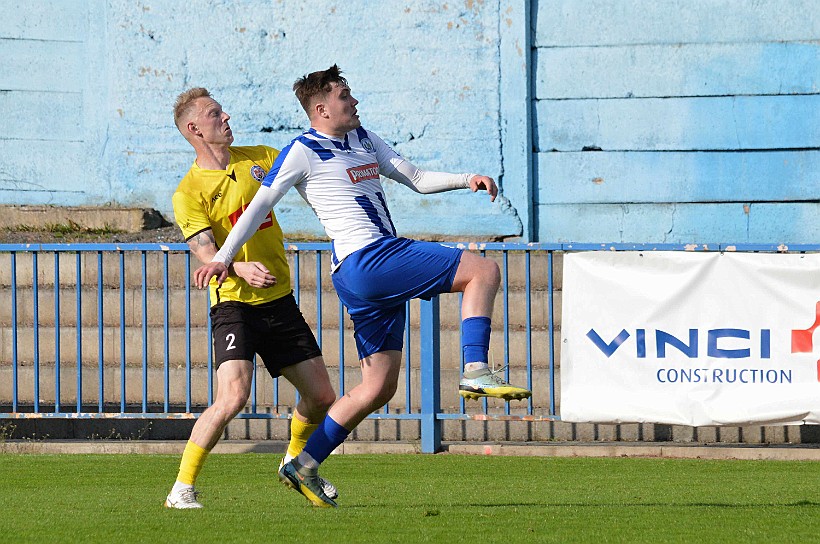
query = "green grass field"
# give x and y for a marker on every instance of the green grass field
(413, 498)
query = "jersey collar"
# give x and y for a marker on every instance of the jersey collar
(341, 146)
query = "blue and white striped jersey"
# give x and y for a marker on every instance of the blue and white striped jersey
(339, 179)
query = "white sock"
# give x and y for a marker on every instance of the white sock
(288, 459)
(179, 486)
(469, 367)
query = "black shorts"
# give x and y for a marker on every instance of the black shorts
(276, 331)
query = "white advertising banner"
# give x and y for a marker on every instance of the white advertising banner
(690, 338)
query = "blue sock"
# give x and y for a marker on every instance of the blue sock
(475, 339)
(325, 439)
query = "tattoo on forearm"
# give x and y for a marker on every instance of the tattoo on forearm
(202, 240)
(203, 245)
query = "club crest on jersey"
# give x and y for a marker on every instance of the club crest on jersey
(361, 173)
(367, 145)
(258, 172)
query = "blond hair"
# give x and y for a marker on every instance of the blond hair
(185, 103)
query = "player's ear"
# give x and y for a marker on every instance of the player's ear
(192, 128)
(320, 109)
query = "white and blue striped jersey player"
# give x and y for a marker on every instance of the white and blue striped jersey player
(374, 271)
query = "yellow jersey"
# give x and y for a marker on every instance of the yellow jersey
(214, 199)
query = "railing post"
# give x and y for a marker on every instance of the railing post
(430, 376)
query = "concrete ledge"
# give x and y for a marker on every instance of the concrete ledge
(175, 447)
(119, 219)
(659, 450)
(779, 452)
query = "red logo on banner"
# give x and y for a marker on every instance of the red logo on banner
(802, 340)
(234, 217)
(361, 173)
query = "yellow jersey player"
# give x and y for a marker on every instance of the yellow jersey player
(253, 310)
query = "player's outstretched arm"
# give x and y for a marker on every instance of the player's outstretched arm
(397, 168)
(425, 182)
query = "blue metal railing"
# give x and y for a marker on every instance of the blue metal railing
(166, 269)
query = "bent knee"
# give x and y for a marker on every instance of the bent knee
(318, 402)
(496, 272)
(380, 397)
(323, 401)
(490, 273)
(228, 409)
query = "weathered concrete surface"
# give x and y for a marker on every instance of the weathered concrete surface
(96, 218)
(408, 431)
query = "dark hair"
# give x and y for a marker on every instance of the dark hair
(316, 84)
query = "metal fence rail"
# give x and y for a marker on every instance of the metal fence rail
(125, 336)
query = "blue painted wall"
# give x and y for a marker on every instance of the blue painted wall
(677, 121)
(604, 120)
(87, 88)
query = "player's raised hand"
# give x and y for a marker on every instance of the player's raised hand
(484, 182)
(204, 273)
(255, 274)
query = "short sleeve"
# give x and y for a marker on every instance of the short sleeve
(190, 215)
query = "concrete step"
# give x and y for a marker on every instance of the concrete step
(155, 302)
(87, 217)
(154, 348)
(541, 438)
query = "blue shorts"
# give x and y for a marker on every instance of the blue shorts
(375, 282)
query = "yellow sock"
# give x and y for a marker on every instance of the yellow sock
(192, 460)
(299, 434)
